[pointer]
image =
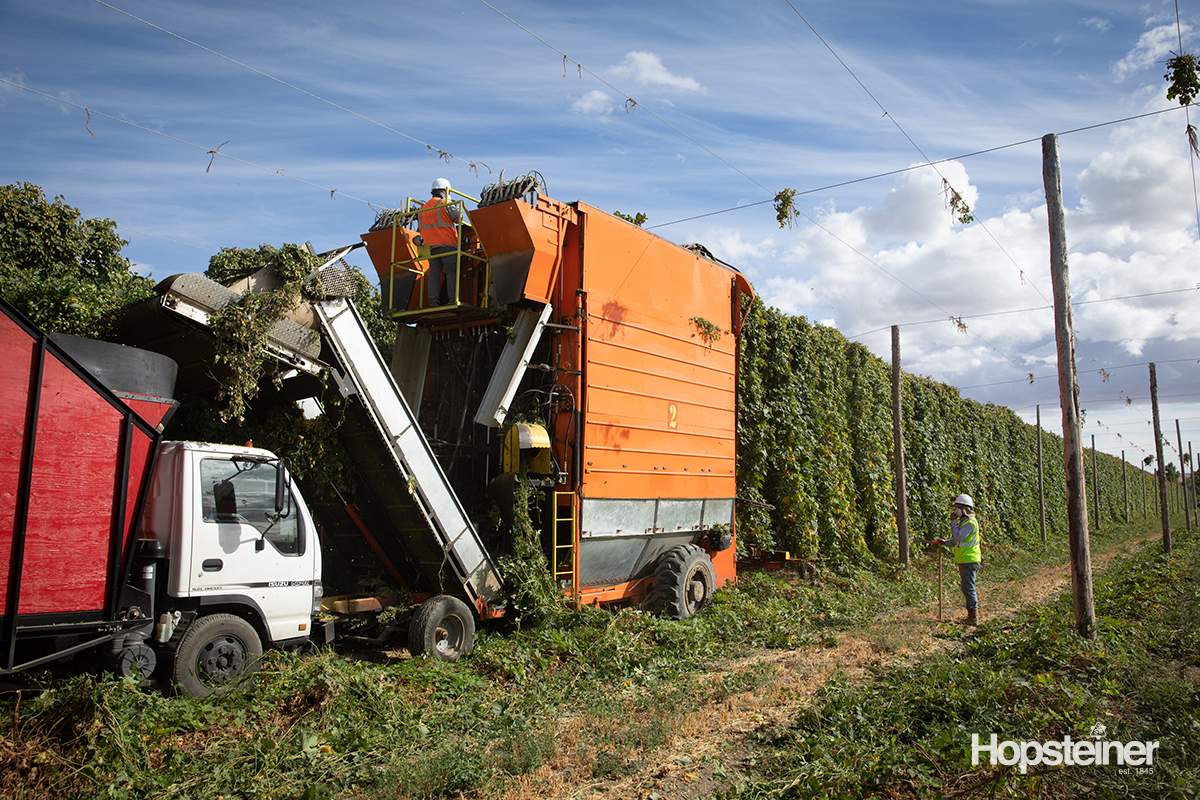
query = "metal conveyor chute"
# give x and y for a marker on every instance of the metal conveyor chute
(362, 371)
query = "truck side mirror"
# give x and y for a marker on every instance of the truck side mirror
(283, 498)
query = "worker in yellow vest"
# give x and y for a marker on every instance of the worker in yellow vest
(438, 221)
(964, 538)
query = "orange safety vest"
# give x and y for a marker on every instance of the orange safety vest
(436, 226)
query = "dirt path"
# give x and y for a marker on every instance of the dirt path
(711, 746)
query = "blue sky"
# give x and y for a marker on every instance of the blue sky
(735, 101)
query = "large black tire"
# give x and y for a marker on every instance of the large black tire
(218, 654)
(443, 627)
(683, 581)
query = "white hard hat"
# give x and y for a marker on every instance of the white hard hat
(964, 500)
(440, 183)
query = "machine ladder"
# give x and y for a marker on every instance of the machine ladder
(566, 555)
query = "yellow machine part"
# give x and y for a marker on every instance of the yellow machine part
(531, 439)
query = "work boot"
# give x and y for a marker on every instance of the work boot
(972, 617)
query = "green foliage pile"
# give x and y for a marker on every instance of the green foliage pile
(64, 272)
(814, 442)
(907, 733)
(241, 328)
(596, 690)
(311, 444)
(533, 597)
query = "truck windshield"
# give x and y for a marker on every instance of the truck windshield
(244, 493)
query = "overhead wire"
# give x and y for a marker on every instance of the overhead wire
(917, 147)
(164, 239)
(213, 152)
(434, 150)
(1026, 310)
(912, 167)
(567, 58)
(947, 184)
(629, 98)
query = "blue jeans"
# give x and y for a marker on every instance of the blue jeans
(966, 581)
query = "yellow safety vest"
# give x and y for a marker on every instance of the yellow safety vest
(966, 550)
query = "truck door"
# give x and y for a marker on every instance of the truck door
(237, 510)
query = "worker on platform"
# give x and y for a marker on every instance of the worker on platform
(964, 538)
(438, 221)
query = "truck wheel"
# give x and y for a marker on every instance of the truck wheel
(683, 582)
(443, 627)
(219, 654)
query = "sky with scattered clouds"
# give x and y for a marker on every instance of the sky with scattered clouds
(201, 126)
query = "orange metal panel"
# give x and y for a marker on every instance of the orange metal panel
(660, 400)
(524, 246)
(389, 246)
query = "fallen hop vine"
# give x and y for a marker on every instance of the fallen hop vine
(709, 331)
(241, 328)
(527, 574)
(785, 208)
(1184, 86)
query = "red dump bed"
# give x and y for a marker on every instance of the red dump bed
(76, 463)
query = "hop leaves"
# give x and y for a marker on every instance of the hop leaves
(1181, 76)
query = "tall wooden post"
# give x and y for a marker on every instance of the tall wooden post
(1095, 486)
(1192, 464)
(1125, 487)
(1161, 472)
(1145, 510)
(1041, 480)
(1187, 512)
(1157, 498)
(1068, 392)
(898, 449)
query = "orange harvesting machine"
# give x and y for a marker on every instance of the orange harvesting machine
(581, 371)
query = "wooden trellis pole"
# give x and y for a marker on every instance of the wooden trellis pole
(898, 449)
(1163, 508)
(1068, 392)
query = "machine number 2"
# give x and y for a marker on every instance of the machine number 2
(672, 416)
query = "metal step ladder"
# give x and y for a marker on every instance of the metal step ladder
(566, 560)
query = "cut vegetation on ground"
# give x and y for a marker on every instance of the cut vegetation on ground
(782, 687)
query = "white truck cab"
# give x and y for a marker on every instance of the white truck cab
(234, 548)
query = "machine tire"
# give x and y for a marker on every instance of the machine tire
(683, 581)
(218, 654)
(136, 661)
(443, 627)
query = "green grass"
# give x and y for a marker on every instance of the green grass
(907, 732)
(595, 693)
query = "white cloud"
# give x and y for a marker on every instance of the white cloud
(16, 76)
(594, 102)
(646, 69)
(730, 244)
(1100, 24)
(1132, 231)
(1154, 45)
